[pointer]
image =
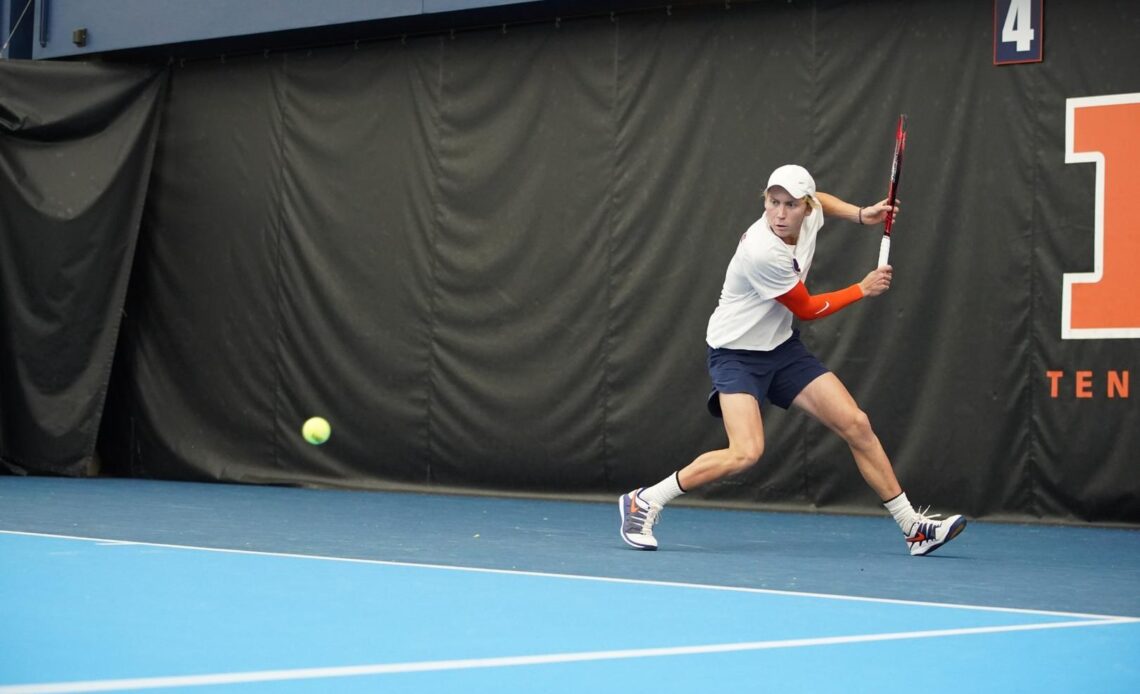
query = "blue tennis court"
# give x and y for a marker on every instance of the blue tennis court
(116, 585)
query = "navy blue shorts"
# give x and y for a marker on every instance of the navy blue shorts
(778, 375)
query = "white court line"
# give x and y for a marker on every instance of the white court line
(604, 579)
(514, 661)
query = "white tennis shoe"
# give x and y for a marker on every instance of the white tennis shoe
(929, 532)
(638, 517)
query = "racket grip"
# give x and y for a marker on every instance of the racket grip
(884, 251)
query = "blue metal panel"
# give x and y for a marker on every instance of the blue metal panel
(123, 24)
(453, 5)
(16, 19)
(5, 8)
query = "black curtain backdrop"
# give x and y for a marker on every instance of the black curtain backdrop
(76, 146)
(489, 258)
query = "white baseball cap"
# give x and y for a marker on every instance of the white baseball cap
(795, 179)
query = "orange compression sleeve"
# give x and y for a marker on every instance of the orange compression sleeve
(808, 307)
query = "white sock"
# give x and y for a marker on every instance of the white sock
(902, 511)
(664, 491)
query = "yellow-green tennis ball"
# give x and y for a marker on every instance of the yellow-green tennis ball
(316, 430)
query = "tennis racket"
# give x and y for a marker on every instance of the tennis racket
(896, 171)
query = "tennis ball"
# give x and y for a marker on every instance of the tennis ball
(316, 430)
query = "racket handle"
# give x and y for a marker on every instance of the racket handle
(884, 251)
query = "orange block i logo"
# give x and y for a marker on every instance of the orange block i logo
(1105, 303)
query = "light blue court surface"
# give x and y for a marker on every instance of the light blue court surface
(109, 585)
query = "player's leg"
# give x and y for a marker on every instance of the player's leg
(742, 422)
(828, 400)
(745, 429)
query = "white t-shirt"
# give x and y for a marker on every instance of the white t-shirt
(764, 267)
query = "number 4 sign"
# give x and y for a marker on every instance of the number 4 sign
(1019, 28)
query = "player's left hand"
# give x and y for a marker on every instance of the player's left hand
(877, 213)
(877, 281)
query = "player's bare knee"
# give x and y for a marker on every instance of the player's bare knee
(857, 429)
(744, 456)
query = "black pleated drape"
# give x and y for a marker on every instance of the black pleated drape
(76, 148)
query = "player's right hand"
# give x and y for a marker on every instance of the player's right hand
(877, 213)
(877, 281)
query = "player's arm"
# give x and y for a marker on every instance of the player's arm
(841, 209)
(807, 307)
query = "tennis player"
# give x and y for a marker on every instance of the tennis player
(754, 354)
